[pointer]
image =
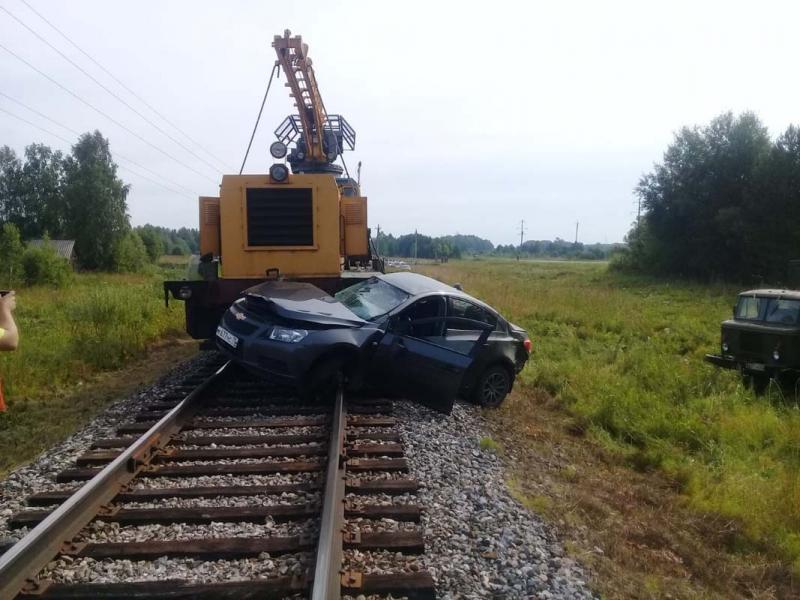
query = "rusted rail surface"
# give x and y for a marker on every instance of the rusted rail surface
(337, 463)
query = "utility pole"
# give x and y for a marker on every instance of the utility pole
(378, 238)
(521, 235)
(415, 246)
(576, 231)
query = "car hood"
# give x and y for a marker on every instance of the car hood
(303, 302)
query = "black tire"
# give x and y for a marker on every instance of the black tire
(759, 382)
(492, 387)
(323, 380)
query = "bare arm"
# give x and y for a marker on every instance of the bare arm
(10, 339)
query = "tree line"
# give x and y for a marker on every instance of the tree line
(79, 196)
(723, 203)
(459, 245)
(558, 248)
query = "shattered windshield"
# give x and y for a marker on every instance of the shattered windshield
(371, 298)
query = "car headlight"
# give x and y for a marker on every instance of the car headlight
(724, 346)
(284, 334)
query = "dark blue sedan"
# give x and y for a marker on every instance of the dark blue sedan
(402, 333)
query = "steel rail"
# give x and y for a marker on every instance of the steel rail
(31, 554)
(327, 572)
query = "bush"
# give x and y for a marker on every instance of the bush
(41, 265)
(130, 254)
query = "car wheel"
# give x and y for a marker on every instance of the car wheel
(323, 380)
(492, 387)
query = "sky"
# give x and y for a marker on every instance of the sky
(470, 116)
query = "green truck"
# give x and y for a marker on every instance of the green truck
(762, 340)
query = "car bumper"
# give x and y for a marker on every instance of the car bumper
(286, 363)
(721, 361)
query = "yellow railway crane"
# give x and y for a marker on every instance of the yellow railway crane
(304, 222)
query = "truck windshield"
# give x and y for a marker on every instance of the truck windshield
(750, 307)
(371, 298)
(780, 310)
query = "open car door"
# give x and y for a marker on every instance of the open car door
(419, 366)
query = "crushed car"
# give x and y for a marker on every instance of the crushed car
(400, 333)
(762, 340)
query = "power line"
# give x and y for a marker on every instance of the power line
(104, 87)
(129, 90)
(78, 133)
(119, 156)
(97, 110)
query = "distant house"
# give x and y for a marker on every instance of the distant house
(64, 248)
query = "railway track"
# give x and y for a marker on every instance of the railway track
(227, 471)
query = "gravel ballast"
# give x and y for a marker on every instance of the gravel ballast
(480, 542)
(40, 474)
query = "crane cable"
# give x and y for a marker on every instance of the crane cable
(275, 69)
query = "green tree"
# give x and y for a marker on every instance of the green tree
(95, 200)
(11, 204)
(130, 253)
(42, 179)
(11, 250)
(153, 241)
(697, 201)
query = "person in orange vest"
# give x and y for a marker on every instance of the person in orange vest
(9, 334)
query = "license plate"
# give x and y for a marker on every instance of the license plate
(755, 366)
(227, 337)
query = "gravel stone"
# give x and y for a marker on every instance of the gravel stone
(480, 542)
(84, 570)
(264, 500)
(39, 475)
(223, 480)
(103, 531)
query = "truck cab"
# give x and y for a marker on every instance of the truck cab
(762, 340)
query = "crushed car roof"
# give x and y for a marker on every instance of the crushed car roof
(414, 283)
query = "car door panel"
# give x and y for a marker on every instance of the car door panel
(420, 370)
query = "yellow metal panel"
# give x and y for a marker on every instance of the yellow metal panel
(323, 259)
(354, 216)
(209, 225)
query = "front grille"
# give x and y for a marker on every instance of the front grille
(280, 217)
(237, 326)
(750, 342)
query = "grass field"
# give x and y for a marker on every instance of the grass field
(624, 357)
(99, 323)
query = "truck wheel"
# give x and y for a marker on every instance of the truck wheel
(492, 387)
(758, 381)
